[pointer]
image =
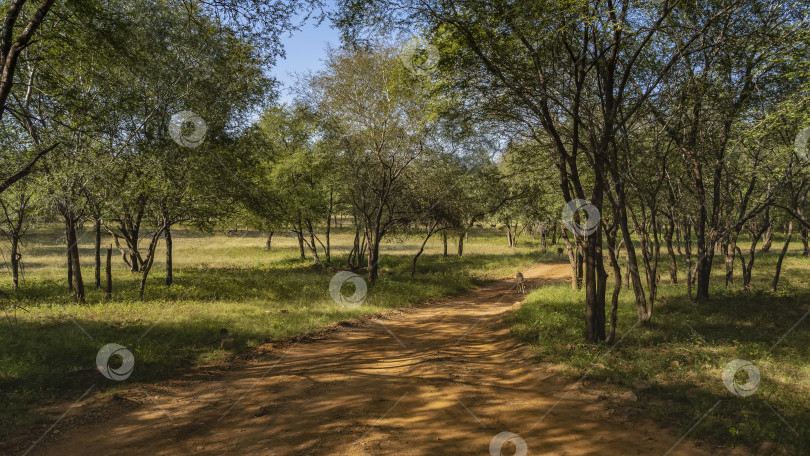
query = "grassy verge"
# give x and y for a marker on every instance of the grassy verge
(675, 364)
(48, 344)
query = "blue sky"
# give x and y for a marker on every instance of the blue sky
(305, 51)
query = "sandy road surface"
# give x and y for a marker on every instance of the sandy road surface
(440, 380)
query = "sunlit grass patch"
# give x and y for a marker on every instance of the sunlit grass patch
(221, 284)
(682, 353)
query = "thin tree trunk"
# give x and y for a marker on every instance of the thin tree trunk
(421, 249)
(461, 244)
(509, 234)
(601, 288)
(15, 262)
(311, 244)
(755, 238)
(617, 285)
(150, 260)
(632, 260)
(444, 244)
(673, 263)
(169, 274)
(354, 255)
(373, 258)
(269, 244)
(703, 266)
(73, 256)
(97, 252)
(782, 256)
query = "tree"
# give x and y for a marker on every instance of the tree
(577, 78)
(381, 116)
(260, 22)
(18, 207)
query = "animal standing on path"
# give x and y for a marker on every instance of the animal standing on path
(520, 282)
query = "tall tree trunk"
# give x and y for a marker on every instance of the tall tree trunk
(673, 263)
(15, 262)
(269, 244)
(782, 256)
(313, 247)
(601, 288)
(805, 243)
(373, 257)
(756, 236)
(73, 256)
(421, 249)
(509, 234)
(703, 266)
(649, 254)
(444, 243)
(632, 260)
(595, 276)
(703, 271)
(617, 284)
(150, 260)
(461, 244)
(169, 274)
(97, 252)
(329, 228)
(354, 255)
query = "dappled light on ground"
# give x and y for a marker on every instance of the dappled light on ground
(444, 379)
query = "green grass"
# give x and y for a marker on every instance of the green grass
(219, 282)
(684, 364)
(234, 283)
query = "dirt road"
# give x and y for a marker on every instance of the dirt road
(440, 380)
